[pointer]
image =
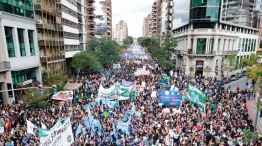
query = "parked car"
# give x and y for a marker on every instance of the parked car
(244, 73)
(233, 77)
(238, 76)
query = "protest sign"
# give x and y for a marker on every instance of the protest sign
(30, 127)
(126, 91)
(116, 66)
(196, 96)
(109, 92)
(171, 97)
(61, 136)
(63, 95)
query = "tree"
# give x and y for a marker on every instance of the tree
(34, 98)
(86, 60)
(252, 60)
(229, 64)
(254, 72)
(207, 69)
(128, 41)
(191, 69)
(58, 79)
(105, 49)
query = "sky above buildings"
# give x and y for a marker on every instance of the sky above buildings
(132, 12)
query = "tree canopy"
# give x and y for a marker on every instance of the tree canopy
(162, 53)
(128, 41)
(101, 53)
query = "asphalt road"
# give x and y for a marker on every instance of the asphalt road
(241, 83)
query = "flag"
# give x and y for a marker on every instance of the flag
(79, 129)
(30, 127)
(165, 76)
(196, 96)
(86, 122)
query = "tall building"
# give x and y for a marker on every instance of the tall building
(90, 16)
(146, 26)
(206, 40)
(50, 36)
(260, 30)
(103, 18)
(19, 58)
(121, 31)
(159, 21)
(241, 12)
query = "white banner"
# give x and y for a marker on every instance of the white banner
(61, 136)
(63, 95)
(142, 72)
(116, 66)
(109, 92)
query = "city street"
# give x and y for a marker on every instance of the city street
(241, 84)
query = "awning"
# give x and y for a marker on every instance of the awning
(72, 86)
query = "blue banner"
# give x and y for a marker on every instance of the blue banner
(170, 97)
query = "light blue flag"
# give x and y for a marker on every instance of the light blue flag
(43, 132)
(86, 122)
(79, 129)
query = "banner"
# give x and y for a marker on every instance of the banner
(196, 96)
(126, 90)
(142, 71)
(171, 98)
(165, 76)
(109, 92)
(61, 136)
(63, 95)
(30, 127)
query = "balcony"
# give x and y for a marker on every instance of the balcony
(43, 7)
(5, 66)
(46, 59)
(50, 26)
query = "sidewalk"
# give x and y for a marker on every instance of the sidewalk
(251, 106)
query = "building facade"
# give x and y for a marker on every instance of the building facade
(206, 41)
(19, 58)
(158, 23)
(50, 36)
(90, 16)
(121, 31)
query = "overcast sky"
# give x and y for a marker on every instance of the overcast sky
(132, 12)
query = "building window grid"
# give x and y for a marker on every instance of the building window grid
(9, 41)
(22, 8)
(21, 41)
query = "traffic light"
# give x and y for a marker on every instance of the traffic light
(41, 89)
(54, 87)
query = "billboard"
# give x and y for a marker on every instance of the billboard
(100, 18)
(181, 13)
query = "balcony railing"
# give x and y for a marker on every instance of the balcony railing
(45, 59)
(50, 26)
(231, 52)
(43, 7)
(5, 66)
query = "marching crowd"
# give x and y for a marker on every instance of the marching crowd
(224, 122)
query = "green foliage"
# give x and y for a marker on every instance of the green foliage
(207, 69)
(105, 49)
(34, 98)
(230, 63)
(252, 60)
(191, 69)
(58, 79)
(128, 41)
(87, 60)
(161, 53)
(254, 72)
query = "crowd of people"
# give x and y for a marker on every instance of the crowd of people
(224, 122)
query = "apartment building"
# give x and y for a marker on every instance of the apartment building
(121, 31)
(90, 16)
(158, 23)
(50, 35)
(206, 40)
(20, 57)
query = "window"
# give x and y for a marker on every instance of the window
(21, 41)
(201, 46)
(31, 42)
(9, 41)
(23, 75)
(255, 43)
